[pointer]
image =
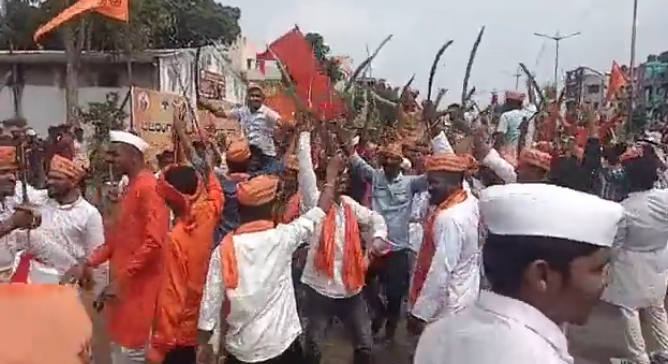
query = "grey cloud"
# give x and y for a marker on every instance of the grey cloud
(421, 26)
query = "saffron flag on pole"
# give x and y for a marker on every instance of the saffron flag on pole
(616, 82)
(115, 9)
(311, 83)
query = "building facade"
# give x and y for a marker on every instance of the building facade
(223, 71)
(585, 85)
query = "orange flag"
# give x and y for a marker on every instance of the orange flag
(616, 82)
(115, 9)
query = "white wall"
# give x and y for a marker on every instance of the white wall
(44, 106)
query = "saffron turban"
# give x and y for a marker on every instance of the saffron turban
(238, 151)
(536, 158)
(451, 163)
(257, 191)
(63, 167)
(392, 150)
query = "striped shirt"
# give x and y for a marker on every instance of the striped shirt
(258, 127)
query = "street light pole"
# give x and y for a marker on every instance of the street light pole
(632, 62)
(517, 75)
(557, 38)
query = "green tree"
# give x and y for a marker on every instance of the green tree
(328, 64)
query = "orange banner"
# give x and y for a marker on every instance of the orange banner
(152, 115)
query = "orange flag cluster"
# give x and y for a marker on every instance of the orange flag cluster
(114, 9)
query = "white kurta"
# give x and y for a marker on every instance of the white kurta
(494, 330)
(453, 280)
(68, 234)
(639, 271)
(8, 250)
(369, 221)
(263, 320)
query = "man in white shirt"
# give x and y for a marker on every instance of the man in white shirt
(258, 122)
(546, 258)
(447, 271)
(71, 226)
(250, 278)
(336, 264)
(640, 269)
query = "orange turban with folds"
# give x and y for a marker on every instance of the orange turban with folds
(257, 191)
(238, 151)
(174, 196)
(8, 158)
(63, 167)
(292, 163)
(451, 163)
(392, 150)
(536, 158)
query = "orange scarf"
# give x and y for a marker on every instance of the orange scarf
(228, 256)
(354, 266)
(428, 248)
(292, 210)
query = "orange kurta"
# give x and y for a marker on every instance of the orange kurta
(134, 249)
(186, 264)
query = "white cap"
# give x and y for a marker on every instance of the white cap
(128, 138)
(551, 211)
(406, 164)
(31, 132)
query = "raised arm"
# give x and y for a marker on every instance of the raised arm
(308, 187)
(373, 221)
(441, 145)
(304, 226)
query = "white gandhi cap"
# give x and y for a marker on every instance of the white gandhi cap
(128, 138)
(550, 211)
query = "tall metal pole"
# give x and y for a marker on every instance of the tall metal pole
(632, 62)
(556, 65)
(557, 38)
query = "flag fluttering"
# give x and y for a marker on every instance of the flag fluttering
(114, 9)
(616, 82)
(312, 85)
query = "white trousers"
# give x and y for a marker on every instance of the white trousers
(657, 320)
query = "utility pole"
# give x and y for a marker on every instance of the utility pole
(557, 38)
(517, 80)
(632, 62)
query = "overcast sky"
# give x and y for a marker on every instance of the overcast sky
(421, 26)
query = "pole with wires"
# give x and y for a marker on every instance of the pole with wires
(557, 38)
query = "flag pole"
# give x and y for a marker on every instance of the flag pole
(632, 63)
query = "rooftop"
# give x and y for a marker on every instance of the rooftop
(47, 56)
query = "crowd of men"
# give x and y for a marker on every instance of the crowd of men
(265, 244)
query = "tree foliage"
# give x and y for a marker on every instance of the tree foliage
(153, 24)
(329, 65)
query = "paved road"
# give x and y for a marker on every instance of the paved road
(601, 339)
